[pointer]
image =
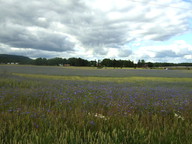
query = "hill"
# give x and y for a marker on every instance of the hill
(14, 59)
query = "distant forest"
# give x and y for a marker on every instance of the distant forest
(15, 59)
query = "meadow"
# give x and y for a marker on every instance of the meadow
(57, 105)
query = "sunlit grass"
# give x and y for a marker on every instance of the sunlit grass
(108, 79)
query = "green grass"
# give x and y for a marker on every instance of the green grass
(109, 79)
(51, 109)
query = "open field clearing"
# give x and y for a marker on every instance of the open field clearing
(94, 106)
(94, 72)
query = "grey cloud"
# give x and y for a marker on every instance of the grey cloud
(101, 37)
(125, 53)
(100, 51)
(21, 15)
(166, 53)
(89, 27)
(19, 37)
(177, 52)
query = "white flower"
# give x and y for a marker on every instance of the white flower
(176, 115)
(179, 116)
(101, 116)
(98, 116)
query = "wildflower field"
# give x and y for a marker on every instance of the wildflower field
(56, 105)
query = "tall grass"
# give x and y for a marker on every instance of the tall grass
(35, 110)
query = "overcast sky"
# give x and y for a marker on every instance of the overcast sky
(153, 30)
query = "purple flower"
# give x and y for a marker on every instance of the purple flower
(92, 122)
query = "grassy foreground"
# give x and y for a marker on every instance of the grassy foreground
(79, 110)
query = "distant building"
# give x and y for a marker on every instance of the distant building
(12, 63)
(66, 65)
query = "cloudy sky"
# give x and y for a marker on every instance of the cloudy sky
(153, 30)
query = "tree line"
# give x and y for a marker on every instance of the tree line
(83, 62)
(13, 59)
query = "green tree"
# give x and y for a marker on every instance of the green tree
(40, 61)
(107, 62)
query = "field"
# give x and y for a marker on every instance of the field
(57, 105)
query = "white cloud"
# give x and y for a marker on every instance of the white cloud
(178, 51)
(188, 57)
(96, 28)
